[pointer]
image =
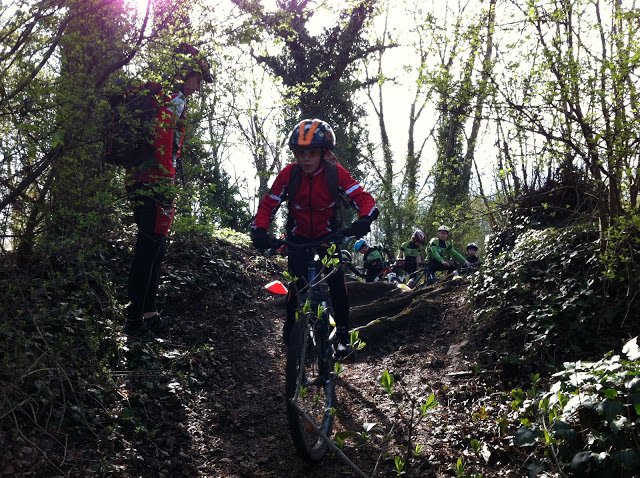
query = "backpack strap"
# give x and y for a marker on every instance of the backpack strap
(331, 175)
(292, 189)
(294, 184)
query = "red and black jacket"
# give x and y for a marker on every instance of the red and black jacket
(313, 207)
(167, 141)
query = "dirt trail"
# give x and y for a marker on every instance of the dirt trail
(206, 398)
(231, 411)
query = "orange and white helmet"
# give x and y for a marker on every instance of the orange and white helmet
(312, 134)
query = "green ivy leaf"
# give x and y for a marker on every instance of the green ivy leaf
(633, 384)
(526, 437)
(618, 424)
(387, 381)
(580, 461)
(610, 409)
(343, 436)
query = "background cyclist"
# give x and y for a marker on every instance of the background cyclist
(373, 260)
(410, 255)
(442, 255)
(472, 254)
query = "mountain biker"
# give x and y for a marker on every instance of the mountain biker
(410, 254)
(149, 189)
(373, 260)
(472, 254)
(312, 215)
(440, 253)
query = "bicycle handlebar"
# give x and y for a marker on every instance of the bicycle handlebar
(337, 238)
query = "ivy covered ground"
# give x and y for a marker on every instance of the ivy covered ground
(206, 397)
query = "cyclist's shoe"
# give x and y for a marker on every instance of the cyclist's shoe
(342, 348)
(136, 329)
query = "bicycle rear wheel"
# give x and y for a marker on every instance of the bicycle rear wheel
(310, 387)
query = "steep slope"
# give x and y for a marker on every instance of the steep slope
(206, 397)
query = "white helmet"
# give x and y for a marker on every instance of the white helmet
(443, 228)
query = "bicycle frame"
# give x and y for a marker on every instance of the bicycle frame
(422, 277)
(316, 326)
(310, 360)
(297, 355)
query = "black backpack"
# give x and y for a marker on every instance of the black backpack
(129, 126)
(342, 202)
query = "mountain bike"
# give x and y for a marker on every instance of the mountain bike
(309, 375)
(423, 277)
(470, 269)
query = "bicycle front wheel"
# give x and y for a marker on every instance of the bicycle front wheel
(310, 389)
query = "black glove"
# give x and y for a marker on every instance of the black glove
(358, 228)
(260, 239)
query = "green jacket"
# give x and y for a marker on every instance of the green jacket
(410, 250)
(373, 254)
(440, 254)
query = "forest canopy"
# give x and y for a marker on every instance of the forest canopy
(453, 113)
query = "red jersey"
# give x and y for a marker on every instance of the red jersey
(167, 141)
(312, 209)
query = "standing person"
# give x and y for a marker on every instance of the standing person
(312, 213)
(440, 253)
(410, 252)
(373, 260)
(150, 189)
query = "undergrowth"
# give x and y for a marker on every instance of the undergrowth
(586, 423)
(548, 288)
(75, 398)
(58, 336)
(565, 299)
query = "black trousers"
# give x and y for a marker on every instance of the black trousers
(373, 272)
(410, 264)
(298, 267)
(144, 275)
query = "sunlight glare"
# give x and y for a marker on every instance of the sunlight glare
(139, 6)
